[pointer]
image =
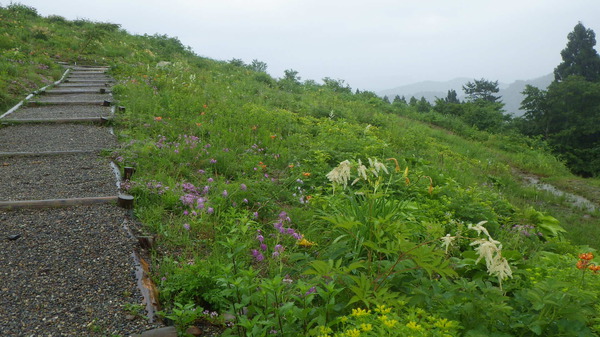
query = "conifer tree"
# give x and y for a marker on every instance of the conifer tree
(579, 57)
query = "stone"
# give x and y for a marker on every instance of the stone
(13, 237)
(194, 331)
(168, 331)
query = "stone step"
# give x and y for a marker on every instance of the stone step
(76, 91)
(47, 203)
(93, 103)
(99, 120)
(55, 137)
(63, 176)
(60, 111)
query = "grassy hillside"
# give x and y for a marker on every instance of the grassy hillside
(296, 208)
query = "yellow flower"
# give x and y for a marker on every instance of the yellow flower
(366, 327)
(413, 325)
(344, 319)
(360, 312)
(390, 323)
(305, 243)
(324, 330)
(382, 309)
(353, 333)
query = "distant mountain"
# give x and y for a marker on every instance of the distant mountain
(428, 89)
(512, 97)
(511, 93)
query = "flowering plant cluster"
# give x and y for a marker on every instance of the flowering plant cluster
(389, 321)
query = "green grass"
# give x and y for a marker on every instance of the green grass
(228, 158)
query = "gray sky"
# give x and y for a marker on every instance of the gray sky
(371, 44)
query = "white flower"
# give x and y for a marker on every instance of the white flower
(340, 174)
(491, 251)
(479, 228)
(447, 241)
(362, 170)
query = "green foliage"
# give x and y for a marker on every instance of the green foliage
(579, 57)
(234, 178)
(482, 90)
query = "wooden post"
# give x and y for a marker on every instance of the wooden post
(125, 201)
(128, 172)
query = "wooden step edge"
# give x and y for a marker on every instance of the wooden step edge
(100, 90)
(47, 153)
(48, 203)
(99, 119)
(42, 103)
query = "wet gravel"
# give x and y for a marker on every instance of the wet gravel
(55, 137)
(73, 98)
(56, 177)
(70, 273)
(64, 271)
(66, 111)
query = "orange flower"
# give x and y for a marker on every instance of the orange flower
(205, 106)
(198, 124)
(158, 119)
(306, 174)
(291, 165)
(586, 256)
(273, 136)
(581, 264)
(594, 268)
(308, 197)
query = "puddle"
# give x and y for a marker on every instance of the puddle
(574, 199)
(117, 173)
(146, 287)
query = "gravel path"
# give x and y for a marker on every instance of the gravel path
(74, 98)
(66, 111)
(70, 273)
(55, 137)
(56, 177)
(65, 271)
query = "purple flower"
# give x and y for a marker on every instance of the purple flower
(255, 215)
(312, 290)
(225, 193)
(243, 187)
(245, 201)
(186, 226)
(210, 180)
(210, 210)
(186, 212)
(213, 161)
(279, 248)
(260, 238)
(263, 247)
(201, 171)
(257, 255)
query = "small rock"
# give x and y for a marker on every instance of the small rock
(194, 331)
(168, 331)
(129, 317)
(13, 237)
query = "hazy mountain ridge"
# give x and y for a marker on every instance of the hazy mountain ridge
(511, 93)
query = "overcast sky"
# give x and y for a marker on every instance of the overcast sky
(371, 44)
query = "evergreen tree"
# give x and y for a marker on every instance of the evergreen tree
(482, 90)
(452, 97)
(413, 101)
(386, 99)
(579, 57)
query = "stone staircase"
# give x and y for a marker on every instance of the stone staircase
(66, 255)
